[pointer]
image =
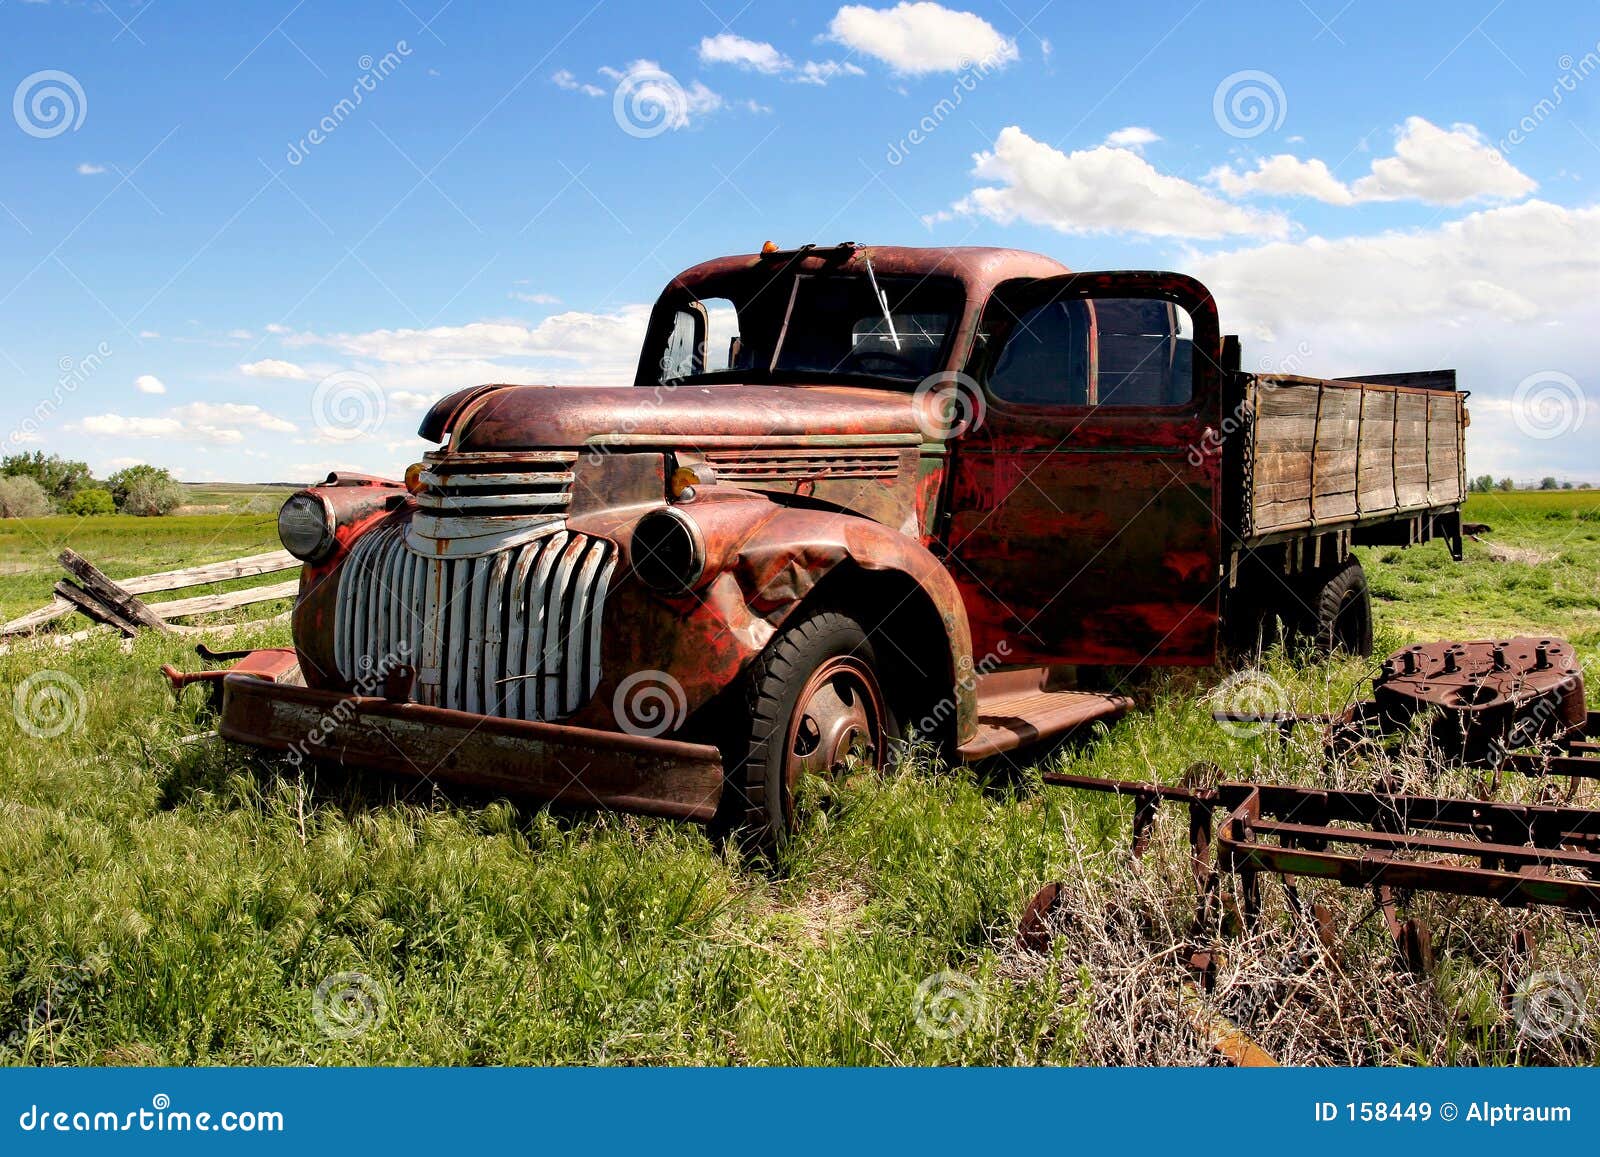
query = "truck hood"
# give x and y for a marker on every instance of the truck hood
(508, 418)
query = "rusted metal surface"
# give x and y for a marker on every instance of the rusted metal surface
(1513, 704)
(1516, 854)
(502, 579)
(535, 761)
(1490, 696)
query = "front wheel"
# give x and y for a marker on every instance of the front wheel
(815, 703)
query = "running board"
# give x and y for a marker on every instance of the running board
(1015, 710)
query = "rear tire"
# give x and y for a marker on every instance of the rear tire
(814, 698)
(1337, 615)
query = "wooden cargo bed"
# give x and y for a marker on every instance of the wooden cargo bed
(1331, 455)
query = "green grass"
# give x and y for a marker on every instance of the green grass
(181, 903)
(124, 546)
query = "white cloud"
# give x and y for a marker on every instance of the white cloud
(274, 368)
(1440, 166)
(536, 298)
(149, 384)
(751, 55)
(1133, 137)
(1101, 190)
(1443, 168)
(148, 333)
(759, 56)
(651, 92)
(1283, 176)
(921, 37)
(221, 424)
(90, 169)
(565, 79)
(822, 71)
(576, 337)
(207, 415)
(119, 426)
(1499, 295)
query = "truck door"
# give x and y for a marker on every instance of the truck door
(1083, 506)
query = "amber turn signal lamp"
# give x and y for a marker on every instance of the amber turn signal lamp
(414, 477)
(769, 247)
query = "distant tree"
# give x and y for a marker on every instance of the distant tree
(1482, 484)
(22, 497)
(1583, 486)
(1566, 486)
(60, 478)
(145, 491)
(92, 501)
(1547, 483)
(1506, 484)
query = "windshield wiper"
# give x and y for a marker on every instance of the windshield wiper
(883, 302)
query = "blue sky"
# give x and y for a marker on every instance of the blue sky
(207, 261)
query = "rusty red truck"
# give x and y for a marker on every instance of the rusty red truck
(854, 492)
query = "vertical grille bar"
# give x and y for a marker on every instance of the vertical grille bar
(514, 634)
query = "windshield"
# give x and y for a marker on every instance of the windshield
(815, 324)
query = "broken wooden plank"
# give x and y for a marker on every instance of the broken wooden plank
(172, 580)
(115, 598)
(209, 604)
(94, 609)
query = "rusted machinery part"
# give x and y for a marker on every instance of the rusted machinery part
(1486, 700)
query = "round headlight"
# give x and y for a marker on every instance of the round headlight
(305, 525)
(667, 552)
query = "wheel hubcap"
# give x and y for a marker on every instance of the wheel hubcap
(839, 714)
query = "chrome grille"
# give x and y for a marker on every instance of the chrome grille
(471, 505)
(514, 634)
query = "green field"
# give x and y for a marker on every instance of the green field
(172, 902)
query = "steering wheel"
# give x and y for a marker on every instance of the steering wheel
(894, 359)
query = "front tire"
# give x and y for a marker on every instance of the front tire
(815, 700)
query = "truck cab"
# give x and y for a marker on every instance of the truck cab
(853, 494)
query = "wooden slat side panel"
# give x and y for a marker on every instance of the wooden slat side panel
(1338, 427)
(1375, 490)
(1444, 451)
(1411, 450)
(1285, 439)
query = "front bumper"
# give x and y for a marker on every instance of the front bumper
(548, 762)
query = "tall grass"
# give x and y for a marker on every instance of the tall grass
(176, 901)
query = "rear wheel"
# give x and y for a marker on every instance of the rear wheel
(1337, 615)
(815, 703)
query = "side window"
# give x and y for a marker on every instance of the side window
(1045, 362)
(1146, 352)
(1098, 352)
(694, 346)
(682, 351)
